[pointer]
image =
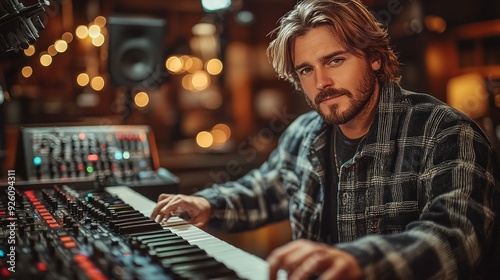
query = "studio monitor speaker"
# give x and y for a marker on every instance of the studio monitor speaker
(135, 51)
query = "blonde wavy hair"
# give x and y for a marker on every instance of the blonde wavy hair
(357, 29)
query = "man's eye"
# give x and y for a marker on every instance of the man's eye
(336, 61)
(305, 71)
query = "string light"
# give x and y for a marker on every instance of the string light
(97, 83)
(68, 37)
(100, 21)
(200, 80)
(45, 59)
(27, 71)
(204, 139)
(82, 31)
(174, 64)
(214, 66)
(141, 99)
(82, 79)
(98, 41)
(61, 46)
(52, 50)
(94, 31)
(30, 51)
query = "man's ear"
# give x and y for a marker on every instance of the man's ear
(376, 63)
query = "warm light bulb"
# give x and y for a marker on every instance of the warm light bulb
(214, 66)
(100, 21)
(204, 139)
(52, 50)
(200, 80)
(29, 51)
(223, 127)
(187, 82)
(83, 79)
(61, 46)
(141, 99)
(98, 41)
(27, 71)
(94, 31)
(97, 83)
(45, 59)
(174, 64)
(82, 31)
(219, 136)
(68, 37)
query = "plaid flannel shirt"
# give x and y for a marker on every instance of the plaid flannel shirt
(415, 202)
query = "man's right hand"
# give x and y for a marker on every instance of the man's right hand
(193, 209)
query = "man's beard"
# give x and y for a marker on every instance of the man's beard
(365, 91)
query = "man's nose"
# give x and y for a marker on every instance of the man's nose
(323, 80)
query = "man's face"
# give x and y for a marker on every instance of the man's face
(337, 83)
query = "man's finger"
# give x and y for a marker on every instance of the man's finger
(277, 258)
(159, 206)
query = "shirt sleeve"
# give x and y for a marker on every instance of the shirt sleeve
(454, 233)
(259, 197)
(248, 203)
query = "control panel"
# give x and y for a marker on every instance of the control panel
(100, 155)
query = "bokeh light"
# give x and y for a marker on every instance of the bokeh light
(174, 64)
(82, 31)
(45, 59)
(30, 51)
(97, 83)
(83, 79)
(204, 139)
(27, 71)
(94, 31)
(141, 99)
(214, 66)
(61, 46)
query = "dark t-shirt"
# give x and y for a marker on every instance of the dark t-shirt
(345, 149)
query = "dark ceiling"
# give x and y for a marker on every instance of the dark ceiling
(455, 12)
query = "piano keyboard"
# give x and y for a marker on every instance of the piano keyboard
(246, 265)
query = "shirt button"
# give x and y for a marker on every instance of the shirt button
(345, 196)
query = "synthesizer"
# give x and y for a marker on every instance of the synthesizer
(246, 265)
(66, 233)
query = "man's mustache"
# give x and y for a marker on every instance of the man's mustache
(331, 93)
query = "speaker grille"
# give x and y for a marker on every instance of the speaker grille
(135, 51)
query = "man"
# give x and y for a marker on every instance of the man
(378, 182)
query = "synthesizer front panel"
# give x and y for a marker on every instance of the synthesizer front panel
(64, 233)
(120, 152)
(93, 156)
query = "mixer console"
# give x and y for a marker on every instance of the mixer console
(64, 233)
(97, 155)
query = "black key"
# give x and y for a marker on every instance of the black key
(155, 235)
(166, 243)
(116, 223)
(208, 269)
(144, 227)
(184, 252)
(138, 234)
